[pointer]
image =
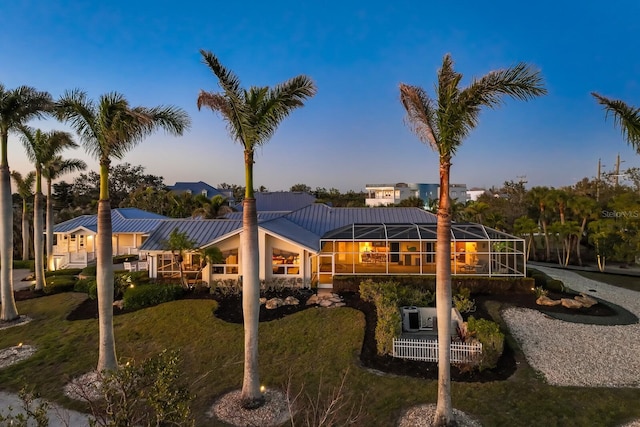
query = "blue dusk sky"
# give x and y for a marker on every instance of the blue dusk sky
(352, 132)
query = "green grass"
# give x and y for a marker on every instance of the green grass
(621, 281)
(306, 349)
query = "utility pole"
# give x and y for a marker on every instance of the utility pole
(617, 175)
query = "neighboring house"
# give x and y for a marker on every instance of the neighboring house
(391, 194)
(281, 201)
(203, 188)
(314, 244)
(474, 193)
(74, 244)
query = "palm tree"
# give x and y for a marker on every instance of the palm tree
(108, 129)
(41, 147)
(625, 116)
(252, 117)
(53, 169)
(539, 196)
(443, 123)
(214, 207)
(25, 190)
(17, 107)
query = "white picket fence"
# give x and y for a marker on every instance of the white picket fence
(427, 350)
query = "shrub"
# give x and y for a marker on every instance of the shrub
(63, 272)
(476, 284)
(492, 339)
(119, 259)
(462, 301)
(59, 284)
(24, 265)
(147, 295)
(544, 281)
(85, 285)
(385, 296)
(89, 271)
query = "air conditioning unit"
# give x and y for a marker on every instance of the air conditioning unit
(410, 319)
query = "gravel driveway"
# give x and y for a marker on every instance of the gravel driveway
(572, 354)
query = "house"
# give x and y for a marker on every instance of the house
(74, 244)
(316, 243)
(391, 194)
(202, 188)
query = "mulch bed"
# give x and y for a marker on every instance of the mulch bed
(230, 310)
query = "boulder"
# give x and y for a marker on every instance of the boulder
(119, 303)
(325, 303)
(263, 300)
(274, 303)
(570, 303)
(586, 300)
(545, 300)
(312, 300)
(291, 301)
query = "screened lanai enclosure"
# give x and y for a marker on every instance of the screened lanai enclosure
(370, 249)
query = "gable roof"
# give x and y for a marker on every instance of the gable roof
(201, 231)
(281, 201)
(196, 188)
(123, 220)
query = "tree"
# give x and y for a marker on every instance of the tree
(17, 107)
(53, 169)
(108, 129)
(583, 208)
(179, 243)
(539, 197)
(625, 116)
(443, 123)
(525, 226)
(252, 117)
(25, 190)
(214, 207)
(303, 188)
(41, 147)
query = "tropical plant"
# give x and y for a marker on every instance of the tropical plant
(443, 123)
(214, 207)
(108, 129)
(625, 116)
(252, 117)
(179, 243)
(538, 196)
(25, 190)
(525, 226)
(17, 107)
(41, 147)
(53, 169)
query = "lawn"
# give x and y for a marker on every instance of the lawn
(312, 347)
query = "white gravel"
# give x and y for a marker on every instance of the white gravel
(573, 354)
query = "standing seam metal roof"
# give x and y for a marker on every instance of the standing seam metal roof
(202, 232)
(128, 220)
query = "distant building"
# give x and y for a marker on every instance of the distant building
(391, 194)
(474, 193)
(203, 188)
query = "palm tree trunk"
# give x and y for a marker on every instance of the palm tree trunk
(251, 396)
(104, 276)
(25, 231)
(546, 240)
(38, 240)
(444, 414)
(9, 309)
(49, 229)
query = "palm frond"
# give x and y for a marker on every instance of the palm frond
(421, 113)
(625, 116)
(19, 105)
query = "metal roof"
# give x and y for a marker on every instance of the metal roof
(202, 232)
(262, 216)
(293, 232)
(123, 220)
(281, 201)
(320, 219)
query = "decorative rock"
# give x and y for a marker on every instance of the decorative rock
(119, 304)
(291, 301)
(325, 303)
(274, 303)
(262, 300)
(585, 300)
(313, 299)
(570, 303)
(545, 300)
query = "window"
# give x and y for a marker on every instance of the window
(229, 263)
(285, 262)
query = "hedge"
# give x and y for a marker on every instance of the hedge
(147, 295)
(58, 284)
(475, 284)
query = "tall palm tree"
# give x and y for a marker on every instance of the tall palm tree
(539, 196)
(252, 117)
(443, 123)
(41, 147)
(25, 190)
(625, 116)
(17, 107)
(53, 169)
(108, 129)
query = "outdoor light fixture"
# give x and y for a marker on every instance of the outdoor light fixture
(262, 389)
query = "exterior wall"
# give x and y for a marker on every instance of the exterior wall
(387, 194)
